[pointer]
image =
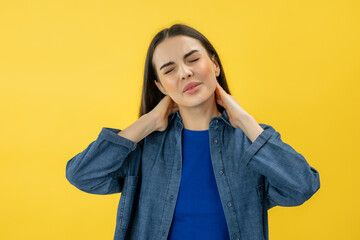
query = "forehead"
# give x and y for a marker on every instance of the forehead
(175, 48)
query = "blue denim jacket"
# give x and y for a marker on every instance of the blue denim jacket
(252, 177)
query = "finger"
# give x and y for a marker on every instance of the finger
(174, 110)
(221, 105)
(217, 92)
(220, 88)
(174, 104)
(166, 99)
(217, 86)
(220, 102)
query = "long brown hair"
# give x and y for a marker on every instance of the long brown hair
(151, 95)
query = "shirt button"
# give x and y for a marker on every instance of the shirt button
(221, 172)
(164, 233)
(215, 141)
(229, 204)
(171, 197)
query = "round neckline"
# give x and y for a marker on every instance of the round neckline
(195, 133)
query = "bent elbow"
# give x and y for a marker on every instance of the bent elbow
(295, 195)
(100, 186)
(72, 177)
(310, 188)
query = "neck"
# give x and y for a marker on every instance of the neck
(198, 118)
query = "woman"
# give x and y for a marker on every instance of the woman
(195, 165)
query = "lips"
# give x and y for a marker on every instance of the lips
(191, 85)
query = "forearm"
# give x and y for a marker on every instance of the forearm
(249, 126)
(140, 128)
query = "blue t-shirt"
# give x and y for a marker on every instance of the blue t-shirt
(198, 214)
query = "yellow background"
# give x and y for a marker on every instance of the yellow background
(69, 68)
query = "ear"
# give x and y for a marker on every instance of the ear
(217, 67)
(160, 87)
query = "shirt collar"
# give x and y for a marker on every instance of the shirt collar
(224, 117)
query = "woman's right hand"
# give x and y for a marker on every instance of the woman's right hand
(161, 112)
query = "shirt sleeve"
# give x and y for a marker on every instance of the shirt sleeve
(103, 165)
(289, 179)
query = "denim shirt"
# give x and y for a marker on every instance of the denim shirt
(251, 177)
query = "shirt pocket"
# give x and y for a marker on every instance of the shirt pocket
(127, 201)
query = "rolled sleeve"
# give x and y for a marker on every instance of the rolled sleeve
(289, 179)
(102, 166)
(111, 135)
(256, 145)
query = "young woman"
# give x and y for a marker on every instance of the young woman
(195, 165)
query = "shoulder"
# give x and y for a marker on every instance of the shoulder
(264, 126)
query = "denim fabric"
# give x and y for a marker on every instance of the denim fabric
(252, 177)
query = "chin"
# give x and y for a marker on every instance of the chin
(195, 103)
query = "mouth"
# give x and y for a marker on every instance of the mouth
(191, 86)
(193, 89)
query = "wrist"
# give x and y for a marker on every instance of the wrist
(151, 120)
(243, 119)
(250, 127)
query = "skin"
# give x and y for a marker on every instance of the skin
(203, 102)
(183, 71)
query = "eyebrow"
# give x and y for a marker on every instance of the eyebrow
(185, 56)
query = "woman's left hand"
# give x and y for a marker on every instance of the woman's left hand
(233, 109)
(238, 117)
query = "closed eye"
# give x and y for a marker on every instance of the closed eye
(168, 71)
(190, 61)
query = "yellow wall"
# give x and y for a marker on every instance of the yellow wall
(69, 68)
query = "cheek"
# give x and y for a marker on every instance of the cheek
(169, 86)
(204, 70)
(206, 73)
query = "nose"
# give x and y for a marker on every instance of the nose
(185, 72)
